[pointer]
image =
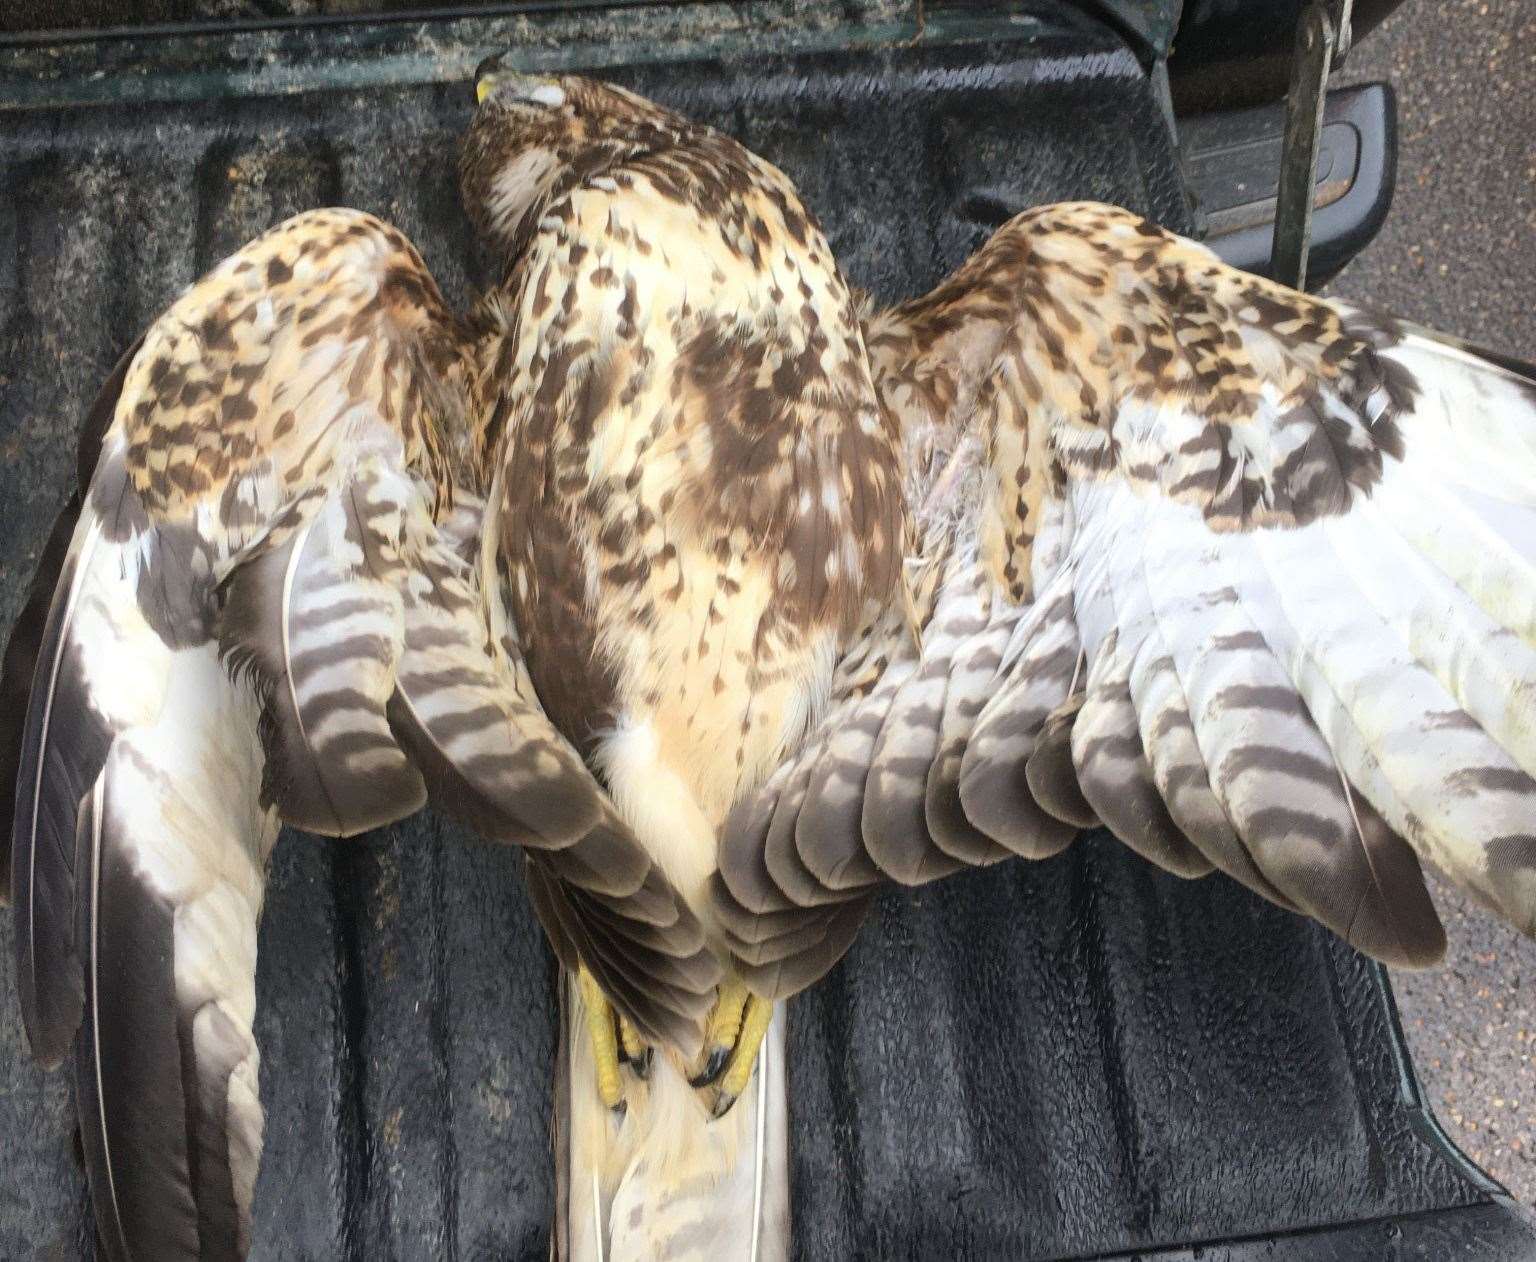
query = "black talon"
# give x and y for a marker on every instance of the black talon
(639, 1065)
(621, 1109)
(724, 1105)
(713, 1067)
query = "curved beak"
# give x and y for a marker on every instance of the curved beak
(485, 77)
(491, 76)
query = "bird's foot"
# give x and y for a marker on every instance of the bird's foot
(735, 1032)
(633, 1050)
(722, 1033)
(614, 1042)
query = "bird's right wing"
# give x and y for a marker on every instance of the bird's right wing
(1248, 576)
(208, 650)
(264, 613)
(25, 642)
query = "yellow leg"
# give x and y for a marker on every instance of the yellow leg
(629, 1038)
(755, 1022)
(725, 1020)
(605, 1048)
(721, 1034)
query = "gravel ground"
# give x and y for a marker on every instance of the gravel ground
(1458, 252)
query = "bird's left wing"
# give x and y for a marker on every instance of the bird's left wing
(1245, 575)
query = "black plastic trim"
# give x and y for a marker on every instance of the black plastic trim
(1501, 1228)
(1232, 53)
(323, 21)
(1359, 126)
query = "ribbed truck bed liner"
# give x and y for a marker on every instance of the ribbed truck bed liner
(1068, 1059)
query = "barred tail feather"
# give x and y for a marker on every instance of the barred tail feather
(664, 1183)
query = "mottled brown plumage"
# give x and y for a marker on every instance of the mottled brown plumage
(266, 615)
(695, 497)
(681, 442)
(1202, 558)
(730, 610)
(1078, 312)
(691, 501)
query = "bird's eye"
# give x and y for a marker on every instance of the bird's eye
(512, 87)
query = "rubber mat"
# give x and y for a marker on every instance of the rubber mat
(1068, 1059)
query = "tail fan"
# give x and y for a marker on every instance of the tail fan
(664, 1182)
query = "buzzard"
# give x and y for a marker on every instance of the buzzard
(729, 602)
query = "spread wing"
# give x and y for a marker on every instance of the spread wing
(1244, 574)
(262, 613)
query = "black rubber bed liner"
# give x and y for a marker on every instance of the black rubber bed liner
(1072, 1059)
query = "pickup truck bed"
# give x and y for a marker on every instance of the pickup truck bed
(1074, 1059)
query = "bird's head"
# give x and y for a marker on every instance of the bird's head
(534, 136)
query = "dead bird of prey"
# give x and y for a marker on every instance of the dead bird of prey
(577, 567)
(730, 607)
